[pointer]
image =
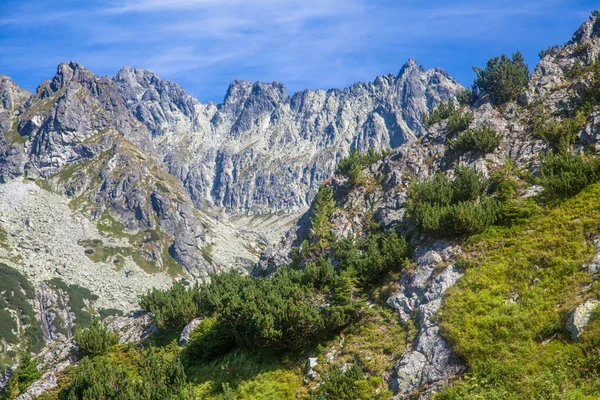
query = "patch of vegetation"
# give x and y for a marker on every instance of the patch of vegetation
(506, 316)
(374, 342)
(552, 49)
(321, 235)
(249, 375)
(444, 207)
(79, 300)
(172, 308)
(564, 132)
(503, 79)
(95, 339)
(348, 384)
(97, 252)
(16, 291)
(457, 120)
(481, 140)
(109, 312)
(3, 236)
(559, 133)
(468, 97)
(442, 112)
(110, 226)
(353, 165)
(25, 374)
(270, 314)
(154, 373)
(209, 340)
(563, 174)
(206, 251)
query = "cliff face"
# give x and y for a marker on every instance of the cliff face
(263, 151)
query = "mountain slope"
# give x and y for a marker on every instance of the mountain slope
(91, 218)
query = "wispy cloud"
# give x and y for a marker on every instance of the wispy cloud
(204, 44)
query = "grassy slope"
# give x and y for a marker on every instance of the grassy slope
(376, 342)
(506, 316)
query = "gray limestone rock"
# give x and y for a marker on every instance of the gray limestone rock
(184, 338)
(429, 361)
(580, 317)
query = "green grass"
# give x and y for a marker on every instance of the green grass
(250, 375)
(520, 349)
(376, 342)
(108, 225)
(3, 237)
(97, 252)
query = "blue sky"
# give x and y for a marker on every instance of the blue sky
(205, 44)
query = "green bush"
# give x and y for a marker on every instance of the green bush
(443, 111)
(353, 165)
(25, 374)
(441, 207)
(559, 133)
(351, 384)
(298, 305)
(563, 174)
(278, 313)
(319, 274)
(95, 339)
(544, 52)
(172, 308)
(467, 97)
(155, 373)
(321, 235)
(459, 122)
(370, 259)
(503, 79)
(209, 340)
(468, 184)
(468, 218)
(482, 140)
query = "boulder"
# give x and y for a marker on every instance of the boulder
(184, 338)
(580, 317)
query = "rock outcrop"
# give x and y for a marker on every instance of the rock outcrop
(429, 361)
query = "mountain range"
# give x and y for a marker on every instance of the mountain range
(111, 187)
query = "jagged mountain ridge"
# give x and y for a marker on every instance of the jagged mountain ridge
(263, 151)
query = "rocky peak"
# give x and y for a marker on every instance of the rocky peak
(409, 67)
(11, 95)
(160, 104)
(587, 31)
(234, 157)
(69, 72)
